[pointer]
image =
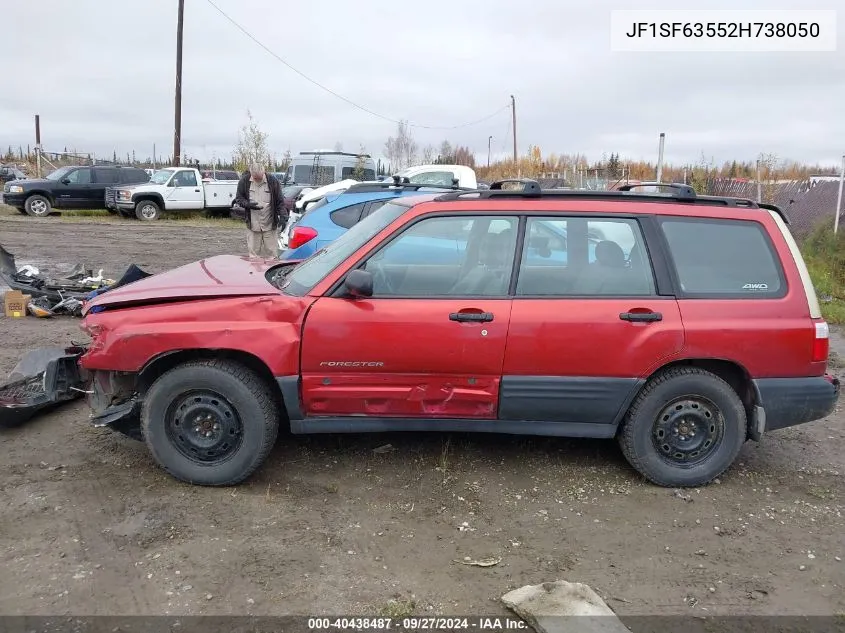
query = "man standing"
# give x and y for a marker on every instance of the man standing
(260, 196)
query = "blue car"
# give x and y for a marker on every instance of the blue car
(331, 217)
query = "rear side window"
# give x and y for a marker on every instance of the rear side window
(133, 175)
(724, 258)
(348, 216)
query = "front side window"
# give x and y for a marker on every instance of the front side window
(80, 177)
(60, 173)
(185, 179)
(313, 270)
(725, 258)
(585, 258)
(447, 257)
(161, 176)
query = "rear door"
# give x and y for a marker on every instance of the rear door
(103, 177)
(430, 342)
(588, 324)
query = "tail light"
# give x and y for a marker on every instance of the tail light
(821, 343)
(300, 236)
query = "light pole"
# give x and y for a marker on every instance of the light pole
(489, 140)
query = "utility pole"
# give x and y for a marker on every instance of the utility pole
(154, 156)
(660, 157)
(839, 197)
(513, 113)
(489, 140)
(759, 186)
(177, 129)
(38, 145)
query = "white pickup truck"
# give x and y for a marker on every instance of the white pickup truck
(172, 189)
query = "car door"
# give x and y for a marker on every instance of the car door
(430, 341)
(74, 191)
(184, 192)
(103, 177)
(587, 329)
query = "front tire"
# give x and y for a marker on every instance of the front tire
(38, 206)
(211, 423)
(147, 210)
(684, 429)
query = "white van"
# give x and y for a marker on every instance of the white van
(324, 167)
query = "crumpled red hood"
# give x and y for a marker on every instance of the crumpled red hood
(219, 276)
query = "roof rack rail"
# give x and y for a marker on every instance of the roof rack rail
(684, 191)
(529, 186)
(404, 184)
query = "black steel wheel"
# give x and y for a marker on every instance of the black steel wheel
(688, 430)
(210, 422)
(204, 427)
(685, 428)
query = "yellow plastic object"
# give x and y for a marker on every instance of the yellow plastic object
(38, 311)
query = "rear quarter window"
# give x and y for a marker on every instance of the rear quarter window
(347, 217)
(724, 258)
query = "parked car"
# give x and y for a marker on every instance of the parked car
(173, 189)
(9, 173)
(69, 188)
(322, 166)
(289, 194)
(335, 213)
(706, 335)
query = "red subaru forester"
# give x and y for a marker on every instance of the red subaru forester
(682, 325)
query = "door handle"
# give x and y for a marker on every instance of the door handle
(196, 190)
(471, 317)
(647, 317)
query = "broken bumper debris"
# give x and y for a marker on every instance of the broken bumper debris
(43, 379)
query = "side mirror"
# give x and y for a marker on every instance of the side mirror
(359, 283)
(65, 181)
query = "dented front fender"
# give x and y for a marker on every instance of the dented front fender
(268, 327)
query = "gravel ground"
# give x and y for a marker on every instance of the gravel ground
(89, 525)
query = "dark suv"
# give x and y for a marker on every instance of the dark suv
(69, 188)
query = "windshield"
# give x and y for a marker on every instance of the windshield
(58, 174)
(161, 176)
(314, 269)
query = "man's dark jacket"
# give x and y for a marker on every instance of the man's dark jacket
(280, 214)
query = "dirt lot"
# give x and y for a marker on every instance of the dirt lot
(89, 525)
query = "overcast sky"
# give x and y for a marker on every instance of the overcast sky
(101, 75)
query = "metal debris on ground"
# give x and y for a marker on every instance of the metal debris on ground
(386, 448)
(43, 379)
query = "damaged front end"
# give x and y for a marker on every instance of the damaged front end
(114, 402)
(43, 379)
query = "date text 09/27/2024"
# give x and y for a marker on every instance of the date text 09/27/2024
(416, 624)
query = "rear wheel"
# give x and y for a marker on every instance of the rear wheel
(684, 429)
(211, 423)
(147, 210)
(38, 206)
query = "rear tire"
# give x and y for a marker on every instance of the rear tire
(38, 206)
(684, 429)
(147, 210)
(211, 423)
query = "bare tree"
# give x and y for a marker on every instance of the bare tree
(428, 154)
(401, 150)
(338, 147)
(252, 145)
(446, 153)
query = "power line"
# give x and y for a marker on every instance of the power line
(340, 96)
